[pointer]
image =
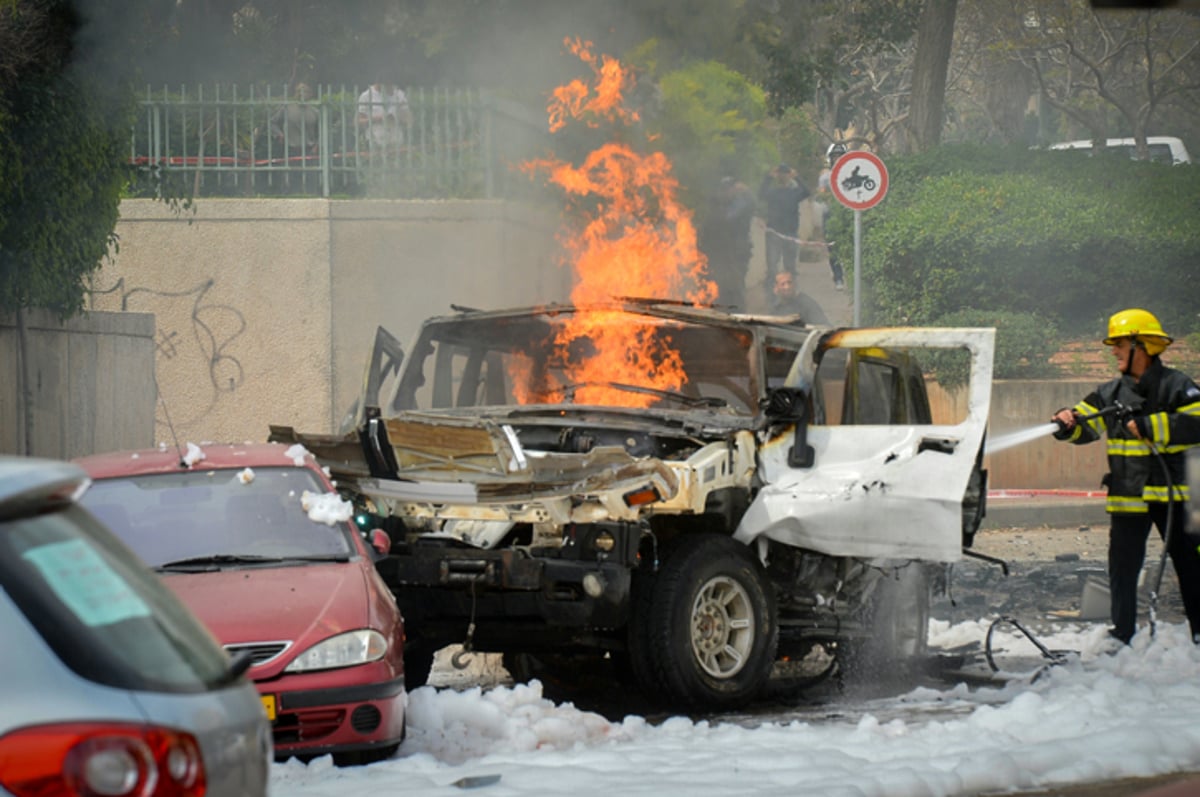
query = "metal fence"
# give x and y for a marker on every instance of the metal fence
(226, 141)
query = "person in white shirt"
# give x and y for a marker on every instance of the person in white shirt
(383, 115)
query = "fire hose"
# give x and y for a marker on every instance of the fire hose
(1055, 656)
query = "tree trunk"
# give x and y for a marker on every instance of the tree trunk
(935, 34)
(1009, 86)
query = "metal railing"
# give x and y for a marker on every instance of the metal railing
(227, 141)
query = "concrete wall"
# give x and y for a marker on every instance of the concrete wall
(267, 309)
(1043, 463)
(91, 384)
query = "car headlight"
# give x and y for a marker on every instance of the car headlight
(343, 650)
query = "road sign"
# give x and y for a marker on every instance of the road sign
(859, 180)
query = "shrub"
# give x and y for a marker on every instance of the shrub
(1024, 345)
(1055, 235)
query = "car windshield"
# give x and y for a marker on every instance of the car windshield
(106, 616)
(219, 517)
(601, 358)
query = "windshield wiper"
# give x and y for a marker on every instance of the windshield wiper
(568, 392)
(314, 557)
(216, 560)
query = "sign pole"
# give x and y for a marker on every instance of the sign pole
(858, 180)
(857, 267)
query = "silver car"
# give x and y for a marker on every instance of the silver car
(109, 685)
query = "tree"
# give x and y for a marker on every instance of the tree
(1111, 71)
(883, 72)
(1041, 233)
(935, 34)
(514, 46)
(711, 125)
(64, 121)
(65, 111)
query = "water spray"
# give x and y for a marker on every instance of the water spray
(1019, 437)
(1122, 411)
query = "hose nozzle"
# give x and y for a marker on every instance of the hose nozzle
(1122, 411)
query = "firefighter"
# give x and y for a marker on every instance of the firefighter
(1151, 414)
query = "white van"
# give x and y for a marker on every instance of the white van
(1163, 149)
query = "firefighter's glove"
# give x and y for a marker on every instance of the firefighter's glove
(1142, 424)
(1064, 428)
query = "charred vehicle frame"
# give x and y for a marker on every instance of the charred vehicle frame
(727, 493)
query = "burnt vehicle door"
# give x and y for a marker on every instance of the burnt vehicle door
(884, 478)
(383, 368)
(347, 453)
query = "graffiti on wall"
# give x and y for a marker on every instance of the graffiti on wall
(196, 365)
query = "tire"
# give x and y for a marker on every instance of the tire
(711, 628)
(898, 623)
(640, 661)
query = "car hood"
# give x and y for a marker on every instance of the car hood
(301, 605)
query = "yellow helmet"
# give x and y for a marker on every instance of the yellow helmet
(1140, 325)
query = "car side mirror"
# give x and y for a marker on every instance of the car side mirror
(791, 405)
(381, 542)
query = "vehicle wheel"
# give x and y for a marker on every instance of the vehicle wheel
(639, 660)
(898, 619)
(712, 632)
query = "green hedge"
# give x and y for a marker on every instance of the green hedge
(1041, 240)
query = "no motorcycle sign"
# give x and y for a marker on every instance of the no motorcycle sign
(859, 180)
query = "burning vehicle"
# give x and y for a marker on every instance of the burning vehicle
(691, 497)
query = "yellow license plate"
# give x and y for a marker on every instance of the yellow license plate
(269, 705)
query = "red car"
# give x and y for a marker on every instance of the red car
(257, 543)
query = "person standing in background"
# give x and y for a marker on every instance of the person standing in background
(725, 239)
(823, 205)
(787, 299)
(782, 192)
(294, 125)
(383, 115)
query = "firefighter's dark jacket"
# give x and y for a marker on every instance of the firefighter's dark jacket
(1166, 406)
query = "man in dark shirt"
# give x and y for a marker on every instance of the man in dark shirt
(782, 192)
(787, 299)
(725, 239)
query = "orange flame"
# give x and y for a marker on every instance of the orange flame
(637, 240)
(575, 100)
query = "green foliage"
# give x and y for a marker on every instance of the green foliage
(64, 126)
(60, 201)
(711, 125)
(1024, 344)
(800, 145)
(1059, 236)
(878, 23)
